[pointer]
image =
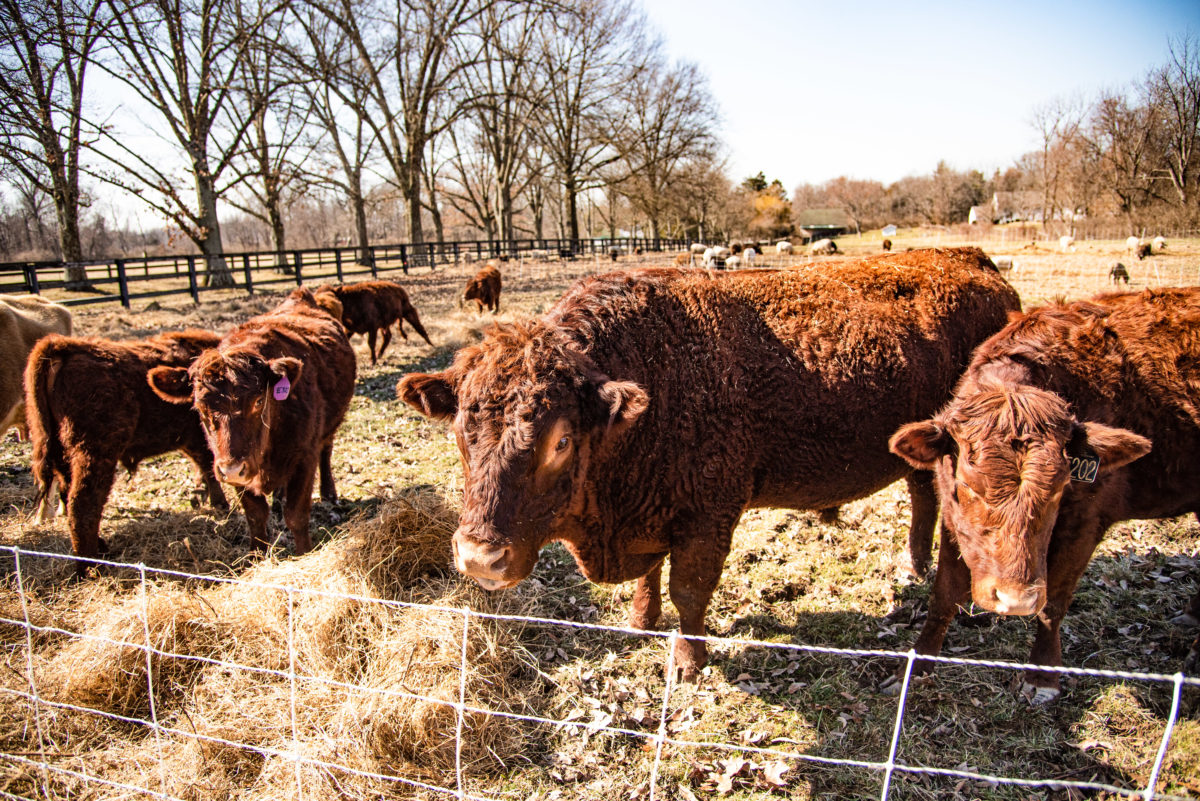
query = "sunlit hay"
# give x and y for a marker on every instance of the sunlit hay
(376, 679)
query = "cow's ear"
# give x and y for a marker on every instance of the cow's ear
(920, 444)
(625, 401)
(431, 394)
(172, 384)
(286, 367)
(1116, 447)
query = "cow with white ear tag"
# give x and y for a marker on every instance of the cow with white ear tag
(1073, 418)
(271, 396)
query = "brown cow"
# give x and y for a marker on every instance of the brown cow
(372, 306)
(24, 319)
(647, 410)
(271, 397)
(484, 288)
(90, 409)
(1045, 445)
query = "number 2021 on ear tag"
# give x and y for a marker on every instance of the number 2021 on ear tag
(284, 388)
(1085, 467)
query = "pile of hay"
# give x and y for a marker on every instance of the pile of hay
(375, 678)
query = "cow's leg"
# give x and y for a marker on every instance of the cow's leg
(297, 505)
(951, 587)
(90, 484)
(696, 564)
(257, 511)
(1064, 567)
(924, 519)
(829, 515)
(202, 458)
(328, 489)
(387, 339)
(647, 600)
(371, 344)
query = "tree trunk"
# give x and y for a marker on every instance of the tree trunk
(412, 196)
(217, 273)
(571, 196)
(278, 240)
(69, 244)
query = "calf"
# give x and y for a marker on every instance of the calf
(373, 306)
(1047, 443)
(647, 410)
(484, 288)
(89, 409)
(271, 396)
(1118, 273)
(24, 319)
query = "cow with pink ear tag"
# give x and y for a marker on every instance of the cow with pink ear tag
(641, 416)
(1074, 417)
(271, 396)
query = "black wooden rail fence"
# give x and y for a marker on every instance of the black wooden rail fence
(130, 279)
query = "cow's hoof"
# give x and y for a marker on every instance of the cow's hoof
(1038, 696)
(908, 572)
(1186, 619)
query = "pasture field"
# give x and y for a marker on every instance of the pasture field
(310, 677)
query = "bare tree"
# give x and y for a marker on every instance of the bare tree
(1058, 124)
(1120, 136)
(671, 121)
(182, 58)
(587, 55)
(1174, 91)
(45, 53)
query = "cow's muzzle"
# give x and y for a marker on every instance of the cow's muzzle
(234, 471)
(488, 564)
(1009, 597)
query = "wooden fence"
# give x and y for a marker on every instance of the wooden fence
(129, 279)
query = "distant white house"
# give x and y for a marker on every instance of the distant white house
(1006, 207)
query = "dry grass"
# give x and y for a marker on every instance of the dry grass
(376, 679)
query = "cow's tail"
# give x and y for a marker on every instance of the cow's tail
(40, 374)
(410, 314)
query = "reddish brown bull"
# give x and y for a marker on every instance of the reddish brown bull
(370, 307)
(271, 397)
(484, 288)
(648, 409)
(89, 409)
(1047, 443)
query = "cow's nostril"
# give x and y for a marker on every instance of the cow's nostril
(500, 563)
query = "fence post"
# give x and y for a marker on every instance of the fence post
(404, 259)
(31, 279)
(296, 265)
(374, 269)
(122, 283)
(247, 272)
(431, 264)
(191, 264)
(337, 260)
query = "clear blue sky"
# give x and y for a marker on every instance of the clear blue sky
(809, 91)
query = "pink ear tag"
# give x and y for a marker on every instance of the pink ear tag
(282, 389)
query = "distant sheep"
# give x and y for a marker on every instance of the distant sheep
(1159, 243)
(1131, 244)
(698, 249)
(1118, 273)
(736, 247)
(887, 244)
(783, 246)
(1066, 243)
(683, 259)
(733, 262)
(823, 247)
(1004, 264)
(749, 255)
(1143, 250)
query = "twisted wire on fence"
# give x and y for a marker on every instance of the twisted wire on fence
(658, 740)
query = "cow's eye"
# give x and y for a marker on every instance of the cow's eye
(256, 406)
(563, 443)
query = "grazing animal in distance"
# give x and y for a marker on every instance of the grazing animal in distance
(90, 409)
(1118, 273)
(887, 245)
(1143, 251)
(1159, 243)
(484, 289)
(271, 396)
(823, 247)
(1004, 264)
(783, 246)
(1065, 423)
(372, 307)
(683, 259)
(749, 254)
(1066, 243)
(648, 409)
(24, 319)
(1131, 244)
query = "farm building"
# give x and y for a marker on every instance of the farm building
(824, 223)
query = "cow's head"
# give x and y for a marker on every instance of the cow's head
(530, 413)
(237, 395)
(1004, 457)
